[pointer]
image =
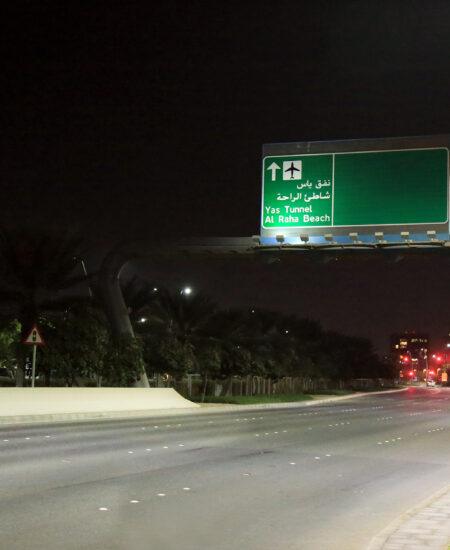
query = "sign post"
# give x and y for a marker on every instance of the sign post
(34, 339)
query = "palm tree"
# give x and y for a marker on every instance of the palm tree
(36, 265)
(183, 320)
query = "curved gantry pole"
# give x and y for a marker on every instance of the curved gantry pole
(114, 262)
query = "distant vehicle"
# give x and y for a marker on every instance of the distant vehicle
(431, 383)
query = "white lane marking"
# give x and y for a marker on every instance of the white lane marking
(180, 445)
(47, 436)
(130, 452)
(28, 438)
(284, 431)
(6, 440)
(186, 488)
(275, 432)
(134, 501)
(161, 494)
(156, 426)
(103, 509)
(245, 474)
(292, 463)
(327, 455)
(317, 457)
(165, 447)
(144, 428)
(148, 449)
(256, 435)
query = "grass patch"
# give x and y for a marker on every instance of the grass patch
(331, 392)
(285, 398)
(255, 399)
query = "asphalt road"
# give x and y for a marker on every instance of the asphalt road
(328, 476)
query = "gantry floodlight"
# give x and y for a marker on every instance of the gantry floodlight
(353, 237)
(304, 237)
(379, 236)
(328, 237)
(404, 235)
(186, 290)
(280, 239)
(431, 235)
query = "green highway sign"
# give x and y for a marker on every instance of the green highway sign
(364, 190)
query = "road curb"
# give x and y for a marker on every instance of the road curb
(217, 408)
(379, 541)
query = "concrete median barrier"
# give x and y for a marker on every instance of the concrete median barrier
(16, 402)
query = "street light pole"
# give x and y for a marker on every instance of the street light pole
(85, 274)
(83, 266)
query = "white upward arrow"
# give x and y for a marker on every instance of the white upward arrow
(274, 167)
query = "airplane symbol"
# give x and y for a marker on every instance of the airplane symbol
(292, 168)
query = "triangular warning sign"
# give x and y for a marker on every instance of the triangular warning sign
(35, 337)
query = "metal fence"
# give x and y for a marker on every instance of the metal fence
(193, 385)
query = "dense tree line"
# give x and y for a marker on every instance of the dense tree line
(176, 333)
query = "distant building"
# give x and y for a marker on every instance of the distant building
(410, 350)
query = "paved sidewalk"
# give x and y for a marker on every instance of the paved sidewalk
(425, 527)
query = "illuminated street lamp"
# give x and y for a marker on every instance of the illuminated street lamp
(186, 290)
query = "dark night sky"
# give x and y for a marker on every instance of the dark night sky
(139, 119)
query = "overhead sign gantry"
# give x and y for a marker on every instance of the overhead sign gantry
(323, 196)
(392, 189)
